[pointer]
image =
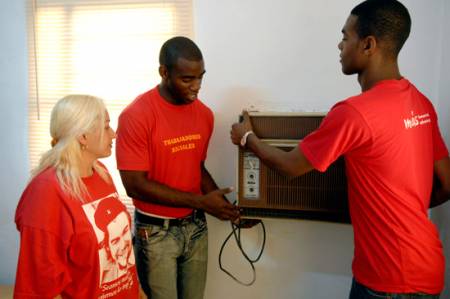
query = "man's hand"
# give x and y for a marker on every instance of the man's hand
(216, 205)
(239, 129)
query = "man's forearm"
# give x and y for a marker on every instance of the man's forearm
(139, 187)
(207, 184)
(154, 192)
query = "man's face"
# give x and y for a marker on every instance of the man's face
(351, 47)
(184, 80)
(120, 239)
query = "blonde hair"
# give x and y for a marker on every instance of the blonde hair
(72, 116)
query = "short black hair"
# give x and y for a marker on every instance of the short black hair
(386, 20)
(178, 47)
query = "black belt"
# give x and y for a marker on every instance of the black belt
(196, 215)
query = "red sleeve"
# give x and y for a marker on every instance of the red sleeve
(41, 271)
(132, 143)
(341, 131)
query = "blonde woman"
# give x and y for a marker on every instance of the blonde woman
(62, 248)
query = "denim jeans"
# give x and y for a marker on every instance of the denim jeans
(172, 260)
(358, 291)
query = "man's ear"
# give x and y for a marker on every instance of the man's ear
(370, 45)
(163, 72)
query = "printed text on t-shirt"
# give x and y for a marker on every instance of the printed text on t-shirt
(182, 143)
(416, 120)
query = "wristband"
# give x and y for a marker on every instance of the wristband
(244, 138)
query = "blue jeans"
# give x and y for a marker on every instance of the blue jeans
(359, 291)
(172, 260)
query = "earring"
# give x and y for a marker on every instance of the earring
(83, 147)
(54, 142)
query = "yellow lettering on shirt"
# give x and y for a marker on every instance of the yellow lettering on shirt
(182, 143)
(183, 147)
(180, 139)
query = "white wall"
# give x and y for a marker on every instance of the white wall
(13, 128)
(257, 53)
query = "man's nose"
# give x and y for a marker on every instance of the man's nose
(196, 85)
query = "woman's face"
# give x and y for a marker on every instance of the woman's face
(99, 142)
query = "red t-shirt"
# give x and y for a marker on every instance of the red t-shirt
(168, 141)
(78, 250)
(390, 139)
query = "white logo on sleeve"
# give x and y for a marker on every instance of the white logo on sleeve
(416, 120)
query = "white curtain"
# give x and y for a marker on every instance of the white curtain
(107, 48)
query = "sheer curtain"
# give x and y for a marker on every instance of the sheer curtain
(107, 48)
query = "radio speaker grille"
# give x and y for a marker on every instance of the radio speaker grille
(284, 127)
(315, 195)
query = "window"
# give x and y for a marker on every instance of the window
(107, 48)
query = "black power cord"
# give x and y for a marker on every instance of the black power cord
(243, 223)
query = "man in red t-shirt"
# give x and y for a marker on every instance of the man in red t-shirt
(162, 142)
(391, 143)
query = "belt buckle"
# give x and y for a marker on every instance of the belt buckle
(186, 220)
(198, 215)
(183, 221)
(195, 215)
